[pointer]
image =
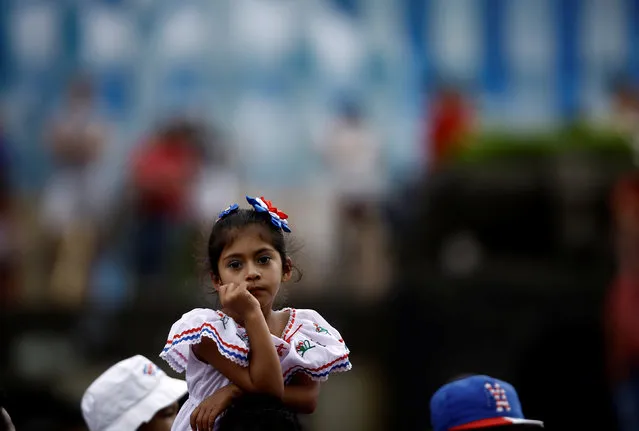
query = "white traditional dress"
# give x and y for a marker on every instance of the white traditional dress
(308, 345)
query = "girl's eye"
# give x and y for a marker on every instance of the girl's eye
(264, 260)
(235, 265)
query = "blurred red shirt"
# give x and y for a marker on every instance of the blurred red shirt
(450, 121)
(163, 173)
(622, 305)
(622, 319)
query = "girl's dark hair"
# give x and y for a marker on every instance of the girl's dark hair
(253, 412)
(226, 229)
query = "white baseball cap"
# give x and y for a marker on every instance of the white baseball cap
(129, 394)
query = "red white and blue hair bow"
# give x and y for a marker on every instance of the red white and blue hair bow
(278, 218)
(229, 210)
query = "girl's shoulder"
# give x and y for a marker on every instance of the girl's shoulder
(307, 316)
(312, 346)
(204, 322)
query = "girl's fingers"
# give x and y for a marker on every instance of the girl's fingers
(193, 418)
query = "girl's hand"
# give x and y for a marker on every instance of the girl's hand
(238, 300)
(204, 415)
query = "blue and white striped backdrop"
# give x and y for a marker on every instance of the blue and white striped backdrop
(528, 61)
(556, 56)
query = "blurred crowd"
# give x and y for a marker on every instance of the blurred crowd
(81, 242)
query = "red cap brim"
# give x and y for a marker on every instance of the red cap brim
(495, 422)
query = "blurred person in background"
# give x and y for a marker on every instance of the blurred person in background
(284, 353)
(625, 111)
(478, 402)
(164, 173)
(76, 139)
(132, 395)
(625, 103)
(7, 269)
(217, 181)
(354, 160)
(450, 123)
(622, 308)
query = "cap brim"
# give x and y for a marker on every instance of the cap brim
(166, 393)
(495, 422)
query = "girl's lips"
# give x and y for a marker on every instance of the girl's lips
(255, 289)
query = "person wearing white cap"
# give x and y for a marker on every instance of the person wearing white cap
(132, 395)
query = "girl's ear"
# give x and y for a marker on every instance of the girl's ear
(287, 270)
(217, 282)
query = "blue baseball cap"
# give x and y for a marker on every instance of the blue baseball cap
(476, 402)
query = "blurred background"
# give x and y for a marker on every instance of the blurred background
(459, 174)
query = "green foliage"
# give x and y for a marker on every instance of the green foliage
(493, 145)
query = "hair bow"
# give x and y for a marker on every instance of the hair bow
(278, 218)
(229, 210)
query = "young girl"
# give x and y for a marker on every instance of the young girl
(291, 351)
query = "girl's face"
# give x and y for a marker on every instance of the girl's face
(251, 259)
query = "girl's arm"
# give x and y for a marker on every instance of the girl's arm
(264, 373)
(302, 394)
